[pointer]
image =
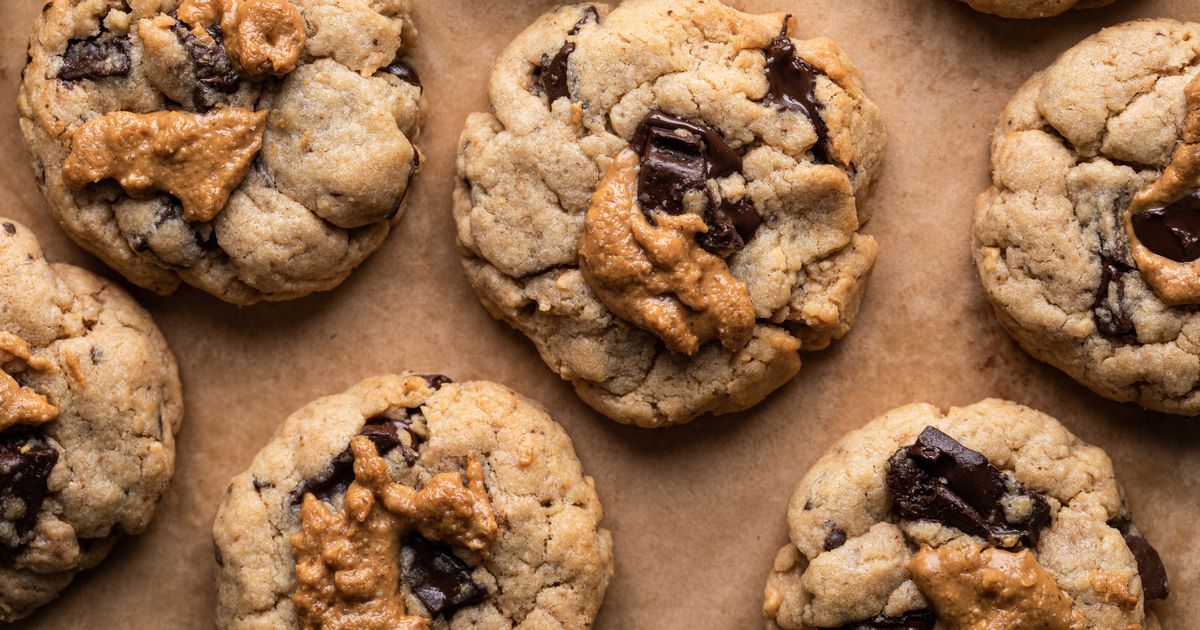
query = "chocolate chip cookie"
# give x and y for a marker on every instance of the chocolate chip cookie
(1033, 8)
(1086, 242)
(987, 516)
(255, 149)
(413, 502)
(90, 403)
(667, 200)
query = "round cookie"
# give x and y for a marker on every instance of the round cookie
(1081, 243)
(667, 201)
(255, 149)
(90, 403)
(987, 516)
(431, 504)
(1033, 8)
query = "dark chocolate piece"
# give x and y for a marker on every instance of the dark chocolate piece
(835, 538)
(1172, 231)
(1110, 310)
(912, 620)
(553, 70)
(730, 227)
(436, 380)
(1155, 583)
(401, 69)
(10, 228)
(25, 464)
(339, 474)
(792, 84)
(720, 159)
(677, 157)
(939, 479)
(440, 579)
(214, 71)
(103, 55)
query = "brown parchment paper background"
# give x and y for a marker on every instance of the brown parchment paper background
(697, 512)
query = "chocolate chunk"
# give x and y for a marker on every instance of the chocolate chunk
(10, 228)
(835, 538)
(912, 620)
(1172, 231)
(1110, 310)
(720, 158)
(792, 84)
(211, 64)
(339, 474)
(436, 380)
(25, 464)
(730, 227)
(1155, 584)
(401, 69)
(440, 579)
(554, 73)
(677, 157)
(103, 55)
(939, 479)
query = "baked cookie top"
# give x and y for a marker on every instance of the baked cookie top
(90, 402)
(1033, 8)
(1085, 243)
(256, 149)
(667, 200)
(413, 502)
(992, 515)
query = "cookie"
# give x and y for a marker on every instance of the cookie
(90, 403)
(255, 149)
(413, 502)
(667, 201)
(987, 516)
(1084, 243)
(1033, 8)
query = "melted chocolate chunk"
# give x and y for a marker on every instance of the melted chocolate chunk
(1110, 310)
(792, 84)
(676, 157)
(939, 479)
(1172, 231)
(835, 538)
(554, 73)
(436, 380)
(913, 620)
(25, 464)
(730, 227)
(401, 69)
(440, 579)
(339, 474)
(103, 55)
(1155, 584)
(211, 64)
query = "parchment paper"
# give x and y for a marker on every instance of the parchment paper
(696, 512)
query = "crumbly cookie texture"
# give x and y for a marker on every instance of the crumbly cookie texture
(879, 530)
(1074, 147)
(92, 448)
(509, 525)
(1033, 8)
(752, 154)
(265, 210)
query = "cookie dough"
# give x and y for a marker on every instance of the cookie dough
(667, 200)
(255, 149)
(413, 502)
(1033, 8)
(90, 403)
(1082, 242)
(986, 516)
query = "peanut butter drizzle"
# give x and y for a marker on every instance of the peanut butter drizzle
(348, 562)
(971, 588)
(263, 37)
(198, 158)
(656, 276)
(21, 405)
(1173, 282)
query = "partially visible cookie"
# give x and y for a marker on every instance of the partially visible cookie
(90, 403)
(667, 200)
(1033, 8)
(256, 149)
(987, 516)
(1086, 242)
(413, 502)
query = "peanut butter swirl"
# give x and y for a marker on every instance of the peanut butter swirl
(21, 405)
(976, 589)
(263, 37)
(198, 158)
(1173, 281)
(348, 561)
(656, 276)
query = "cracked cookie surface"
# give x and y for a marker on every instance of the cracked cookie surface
(1033, 8)
(879, 526)
(90, 401)
(1073, 150)
(749, 154)
(316, 191)
(543, 562)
